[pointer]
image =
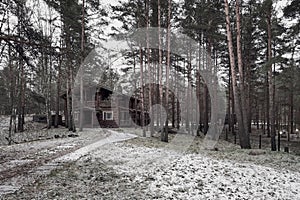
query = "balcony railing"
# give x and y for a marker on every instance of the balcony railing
(104, 103)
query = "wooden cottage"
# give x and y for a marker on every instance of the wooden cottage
(105, 109)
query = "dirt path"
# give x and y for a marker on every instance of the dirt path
(26, 163)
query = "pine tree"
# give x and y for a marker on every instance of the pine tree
(237, 89)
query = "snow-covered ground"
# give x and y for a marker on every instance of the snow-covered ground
(32, 131)
(169, 175)
(21, 164)
(116, 166)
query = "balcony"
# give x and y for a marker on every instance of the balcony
(104, 104)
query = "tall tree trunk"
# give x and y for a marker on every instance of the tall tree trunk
(160, 67)
(198, 87)
(149, 71)
(229, 118)
(198, 91)
(188, 98)
(243, 135)
(142, 92)
(12, 87)
(291, 98)
(178, 100)
(21, 105)
(205, 101)
(267, 107)
(81, 69)
(232, 103)
(69, 82)
(57, 107)
(206, 110)
(165, 135)
(21, 119)
(243, 91)
(270, 77)
(48, 90)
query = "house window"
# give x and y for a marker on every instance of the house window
(108, 115)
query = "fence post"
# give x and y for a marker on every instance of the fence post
(286, 149)
(279, 141)
(234, 138)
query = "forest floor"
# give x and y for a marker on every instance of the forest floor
(119, 164)
(293, 145)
